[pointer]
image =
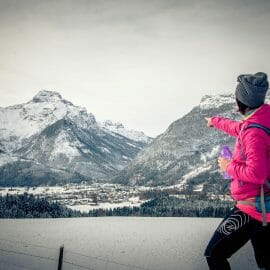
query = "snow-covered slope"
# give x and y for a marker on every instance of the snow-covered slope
(47, 107)
(49, 134)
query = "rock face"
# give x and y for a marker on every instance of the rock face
(48, 140)
(186, 153)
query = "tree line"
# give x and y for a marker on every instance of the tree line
(28, 206)
(162, 205)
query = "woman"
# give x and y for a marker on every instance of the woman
(249, 169)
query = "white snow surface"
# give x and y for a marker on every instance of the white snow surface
(5, 158)
(193, 172)
(27, 119)
(210, 155)
(198, 188)
(112, 243)
(64, 146)
(86, 207)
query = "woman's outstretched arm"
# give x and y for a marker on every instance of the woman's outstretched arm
(226, 125)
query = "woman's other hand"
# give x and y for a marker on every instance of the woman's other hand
(223, 163)
(209, 122)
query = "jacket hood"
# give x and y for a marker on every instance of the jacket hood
(260, 116)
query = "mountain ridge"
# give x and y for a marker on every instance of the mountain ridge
(186, 153)
(49, 133)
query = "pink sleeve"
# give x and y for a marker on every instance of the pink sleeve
(227, 125)
(254, 147)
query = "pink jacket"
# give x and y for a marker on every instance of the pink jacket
(250, 166)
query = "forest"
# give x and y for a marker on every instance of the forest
(162, 205)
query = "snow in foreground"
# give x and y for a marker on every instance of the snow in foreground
(111, 243)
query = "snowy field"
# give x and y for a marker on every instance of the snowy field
(111, 243)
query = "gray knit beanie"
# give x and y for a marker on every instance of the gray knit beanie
(251, 89)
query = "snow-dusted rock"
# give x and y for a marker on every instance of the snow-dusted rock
(49, 133)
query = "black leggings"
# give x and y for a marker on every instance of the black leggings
(234, 232)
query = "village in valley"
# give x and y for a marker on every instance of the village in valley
(83, 196)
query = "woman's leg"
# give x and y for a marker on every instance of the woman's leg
(260, 239)
(232, 233)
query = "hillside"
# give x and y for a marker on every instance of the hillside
(186, 153)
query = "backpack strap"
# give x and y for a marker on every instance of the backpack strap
(254, 125)
(267, 130)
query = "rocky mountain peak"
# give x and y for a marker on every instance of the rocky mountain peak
(109, 123)
(121, 130)
(215, 101)
(47, 96)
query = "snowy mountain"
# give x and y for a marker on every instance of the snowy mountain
(50, 140)
(186, 153)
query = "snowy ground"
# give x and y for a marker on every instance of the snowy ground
(85, 207)
(111, 243)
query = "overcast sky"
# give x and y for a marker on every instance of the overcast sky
(142, 63)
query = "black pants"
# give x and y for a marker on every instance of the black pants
(234, 232)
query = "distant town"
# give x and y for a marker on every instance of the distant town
(83, 196)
